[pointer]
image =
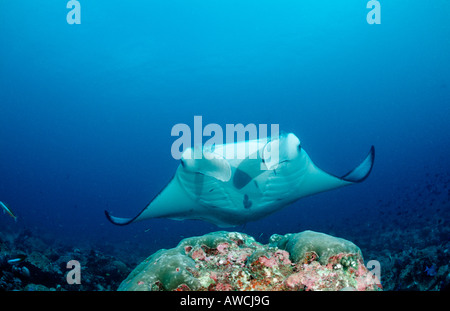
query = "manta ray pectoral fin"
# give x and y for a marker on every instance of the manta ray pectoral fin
(171, 202)
(356, 175)
(119, 220)
(362, 171)
(122, 221)
(316, 180)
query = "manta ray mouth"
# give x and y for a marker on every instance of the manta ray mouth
(281, 162)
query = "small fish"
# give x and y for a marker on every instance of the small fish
(7, 210)
(19, 259)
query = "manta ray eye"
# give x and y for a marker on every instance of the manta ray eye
(182, 163)
(299, 147)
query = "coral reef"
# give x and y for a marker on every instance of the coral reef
(416, 266)
(408, 234)
(45, 266)
(222, 261)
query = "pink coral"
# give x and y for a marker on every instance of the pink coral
(198, 254)
(267, 262)
(223, 248)
(283, 256)
(366, 279)
(294, 280)
(223, 287)
(301, 280)
(310, 281)
(244, 254)
(361, 269)
(213, 276)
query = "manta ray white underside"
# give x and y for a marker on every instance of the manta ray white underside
(252, 183)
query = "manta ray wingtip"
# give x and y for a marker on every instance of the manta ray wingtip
(118, 220)
(363, 170)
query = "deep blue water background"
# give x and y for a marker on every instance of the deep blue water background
(86, 110)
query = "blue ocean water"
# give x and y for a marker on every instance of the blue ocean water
(86, 110)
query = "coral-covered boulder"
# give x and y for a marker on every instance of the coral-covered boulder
(223, 261)
(304, 244)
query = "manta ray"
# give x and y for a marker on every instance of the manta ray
(231, 184)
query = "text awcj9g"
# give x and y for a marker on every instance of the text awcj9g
(230, 300)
